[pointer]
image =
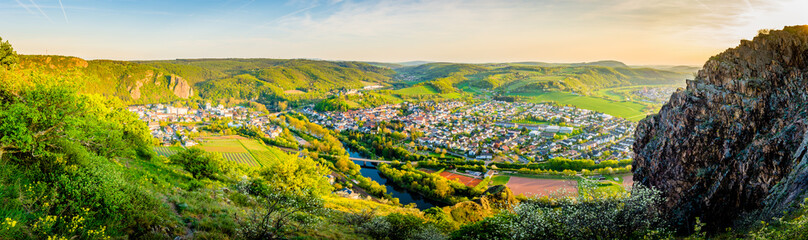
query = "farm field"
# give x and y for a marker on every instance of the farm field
(632, 111)
(542, 187)
(166, 151)
(242, 158)
(268, 155)
(233, 148)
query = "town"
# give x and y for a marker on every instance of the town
(524, 132)
(490, 130)
(173, 131)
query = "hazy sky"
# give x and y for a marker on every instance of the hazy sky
(632, 31)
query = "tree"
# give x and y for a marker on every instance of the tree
(39, 122)
(282, 106)
(8, 57)
(199, 163)
(282, 214)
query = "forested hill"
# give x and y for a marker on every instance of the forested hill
(537, 76)
(247, 78)
(128, 81)
(162, 81)
(301, 79)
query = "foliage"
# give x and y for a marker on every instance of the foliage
(294, 174)
(283, 213)
(8, 57)
(59, 176)
(431, 185)
(629, 216)
(199, 163)
(332, 104)
(401, 226)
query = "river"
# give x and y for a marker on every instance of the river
(404, 196)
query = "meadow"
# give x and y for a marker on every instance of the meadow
(632, 111)
(422, 90)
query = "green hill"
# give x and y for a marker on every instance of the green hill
(128, 81)
(163, 81)
(536, 76)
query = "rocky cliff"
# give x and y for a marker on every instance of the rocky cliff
(179, 86)
(128, 81)
(735, 140)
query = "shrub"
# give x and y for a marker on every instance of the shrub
(199, 163)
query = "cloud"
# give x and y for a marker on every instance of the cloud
(40, 10)
(63, 11)
(24, 6)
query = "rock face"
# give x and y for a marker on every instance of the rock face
(179, 86)
(736, 139)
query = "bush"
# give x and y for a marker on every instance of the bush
(633, 216)
(401, 226)
(199, 163)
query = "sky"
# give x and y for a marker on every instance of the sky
(637, 32)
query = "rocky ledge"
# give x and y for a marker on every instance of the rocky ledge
(734, 141)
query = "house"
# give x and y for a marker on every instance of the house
(565, 130)
(490, 173)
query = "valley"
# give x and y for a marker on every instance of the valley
(259, 148)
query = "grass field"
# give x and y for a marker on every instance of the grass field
(500, 180)
(415, 90)
(632, 111)
(424, 90)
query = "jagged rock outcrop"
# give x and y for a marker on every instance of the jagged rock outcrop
(179, 86)
(736, 139)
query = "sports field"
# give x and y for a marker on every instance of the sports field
(535, 187)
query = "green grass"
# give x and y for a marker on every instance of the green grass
(415, 90)
(422, 90)
(632, 111)
(500, 180)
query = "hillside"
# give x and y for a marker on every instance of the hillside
(249, 78)
(526, 77)
(128, 81)
(732, 145)
(163, 81)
